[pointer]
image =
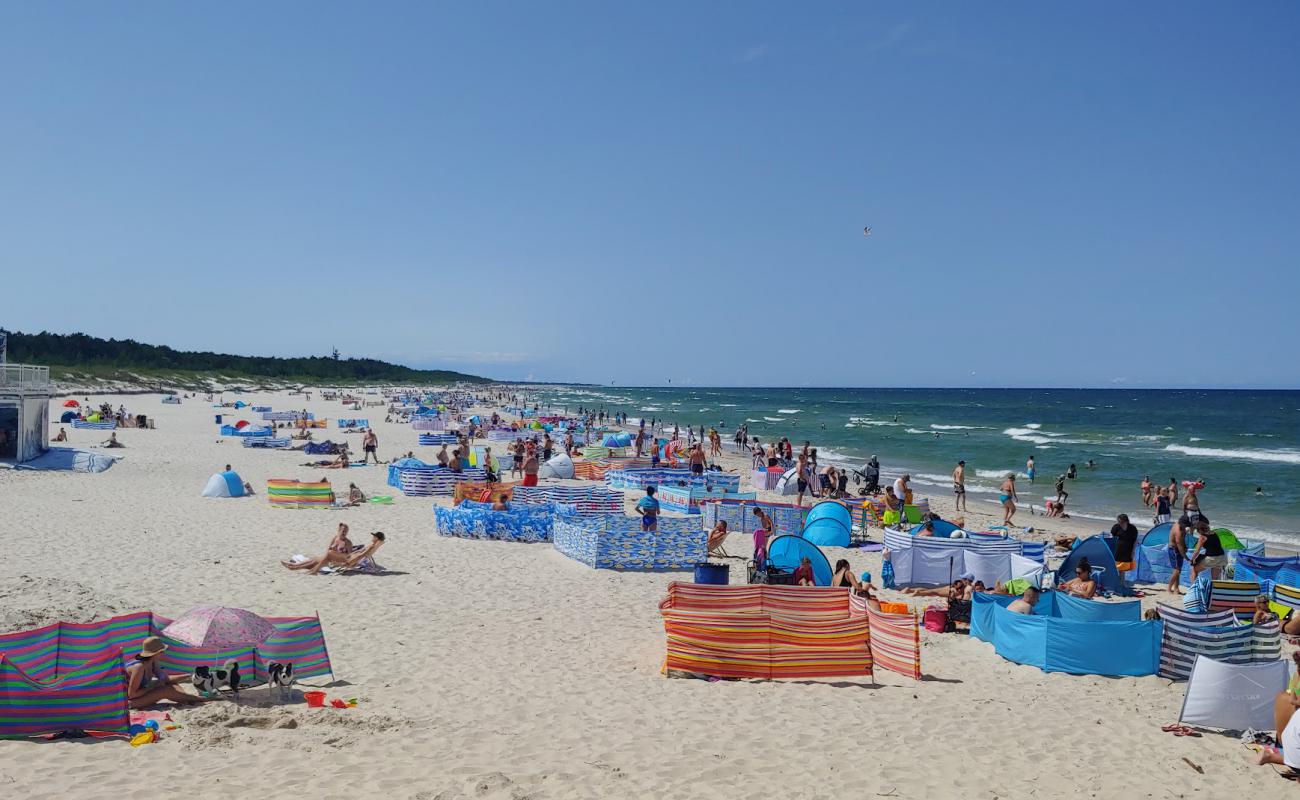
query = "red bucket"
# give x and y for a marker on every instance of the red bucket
(315, 699)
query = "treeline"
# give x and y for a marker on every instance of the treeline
(80, 350)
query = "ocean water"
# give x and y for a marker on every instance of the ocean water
(1236, 441)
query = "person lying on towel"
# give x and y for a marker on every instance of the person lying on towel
(333, 558)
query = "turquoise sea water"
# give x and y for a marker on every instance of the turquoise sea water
(1235, 441)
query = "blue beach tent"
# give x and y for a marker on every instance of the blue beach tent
(785, 552)
(1099, 556)
(942, 529)
(828, 525)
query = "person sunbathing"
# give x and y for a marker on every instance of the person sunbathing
(61, 437)
(1083, 584)
(147, 684)
(959, 590)
(1262, 611)
(502, 502)
(112, 440)
(333, 558)
(1026, 603)
(339, 463)
(717, 536)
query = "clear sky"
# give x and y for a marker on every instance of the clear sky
(1061, 194)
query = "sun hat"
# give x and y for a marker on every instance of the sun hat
(152, 646)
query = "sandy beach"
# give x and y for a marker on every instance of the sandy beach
(504, 670)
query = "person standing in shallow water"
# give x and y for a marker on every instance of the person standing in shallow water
(1029, 469)
(1008, 499)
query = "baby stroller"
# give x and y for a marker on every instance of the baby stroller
(868, 478)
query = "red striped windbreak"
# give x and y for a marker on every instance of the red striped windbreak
(764, 631)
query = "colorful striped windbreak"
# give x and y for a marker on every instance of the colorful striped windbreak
(71, 676)
(780, 632)
(299, 494)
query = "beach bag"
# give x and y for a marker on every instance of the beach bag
(894, 608)
(935, 619)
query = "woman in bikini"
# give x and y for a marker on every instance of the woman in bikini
(1008, 499)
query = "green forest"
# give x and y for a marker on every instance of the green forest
(90, 353)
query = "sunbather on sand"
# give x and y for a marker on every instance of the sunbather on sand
(717, 536)
(333, 558)
(112, 440)
(339, 463)
(147, 684)
(960, 589)
(355, 496)
(1083, 584)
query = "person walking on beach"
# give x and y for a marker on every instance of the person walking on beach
(1029, 469)
(530, 467)
(903, 490)
(803, 476)
(959, 486)
(1163, 510)
(1008, 498)
(1061, 494)
(1126, 538)
(1192, 503)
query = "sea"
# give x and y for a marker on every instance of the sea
(1244, 445)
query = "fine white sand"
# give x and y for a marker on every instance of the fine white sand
(500, 670)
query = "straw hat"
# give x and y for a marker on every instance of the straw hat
(152, 646)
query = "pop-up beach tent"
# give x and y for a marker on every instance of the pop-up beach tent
(785, 552)
(224, 484)
(789, 482)
(828, 525)
(1099, 556)
(560, 466)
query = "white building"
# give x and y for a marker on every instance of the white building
(24, 411)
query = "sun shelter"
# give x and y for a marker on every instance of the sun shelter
(616, 541)
(224, 484)
(1233, 696)
(72, 675)
(828, 525)
(1188, 634)
(788, 483)
(935, 560)
(1068, 634)
(769, 632)
(560, 467)
(1099, 556)
(786, 552)
(521, 523)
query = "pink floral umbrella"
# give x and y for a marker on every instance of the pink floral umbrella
(218, 627)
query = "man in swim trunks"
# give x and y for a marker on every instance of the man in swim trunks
(959, 485)
(697, 460)
(369, 443)
(1026, 603)
(1176, 549)
(648, 508)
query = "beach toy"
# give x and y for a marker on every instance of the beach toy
(337, 703)
(148, 737)
(382, 499)
(314, 699)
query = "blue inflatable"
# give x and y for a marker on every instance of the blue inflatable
(828, 525)
(785, 552)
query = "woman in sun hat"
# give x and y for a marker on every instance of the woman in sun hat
(147, 684)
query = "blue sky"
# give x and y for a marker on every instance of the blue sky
(1060, 194)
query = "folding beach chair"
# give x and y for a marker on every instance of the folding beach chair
(1236, 596)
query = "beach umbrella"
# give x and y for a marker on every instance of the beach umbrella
(218, 627)
(71, 404)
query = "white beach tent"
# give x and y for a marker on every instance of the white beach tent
(224, 484)
(1233, 696)
(788, 483)
(560, 466)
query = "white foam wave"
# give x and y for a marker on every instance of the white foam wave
(787, 411)
(1194, 439)
(1033, 426)
(1044, 447)
(998, 474)
(1274, 456)
(774, 419)
(650, 408)
(939, 427)
(1026, 435)
(727, 405)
